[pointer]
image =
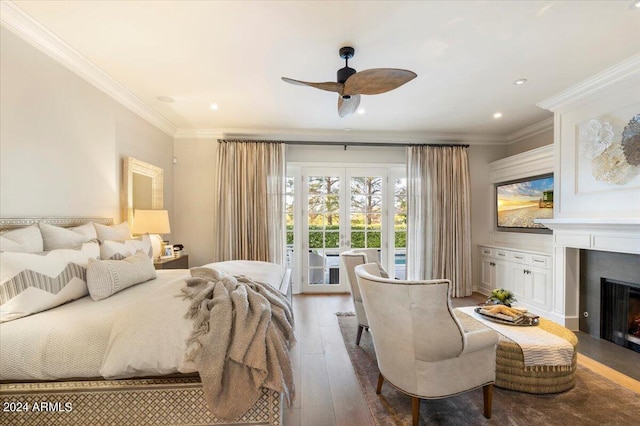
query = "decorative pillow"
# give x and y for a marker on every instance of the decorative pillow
(116, 250)
(119, 232)
(23, 240)
(31, 283)
(107, 277)
(55, 237)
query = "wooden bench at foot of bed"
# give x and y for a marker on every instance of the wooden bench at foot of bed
(162, 401)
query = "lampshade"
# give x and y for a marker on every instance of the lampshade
(151, 222)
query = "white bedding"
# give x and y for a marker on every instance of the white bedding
(140, 331)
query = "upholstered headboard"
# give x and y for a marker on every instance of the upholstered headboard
(7, 223)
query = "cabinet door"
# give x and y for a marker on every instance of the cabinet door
(539, 280)
(519, 279)
(503, 276)
(487, 275)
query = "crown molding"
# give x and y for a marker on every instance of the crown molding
(529, 131)
(319, 135)
(22, 24)
(605, 80)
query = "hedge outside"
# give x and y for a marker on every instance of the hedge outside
(358, 237)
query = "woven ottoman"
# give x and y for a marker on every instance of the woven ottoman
(510, 370)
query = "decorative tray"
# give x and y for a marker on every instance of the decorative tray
(528, 319)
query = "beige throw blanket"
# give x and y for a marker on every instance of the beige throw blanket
(241, 337)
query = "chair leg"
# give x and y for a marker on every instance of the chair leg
(360, 328)
(415, 410)
(380, 382)
(487, 393)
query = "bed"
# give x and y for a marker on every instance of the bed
(121, 360)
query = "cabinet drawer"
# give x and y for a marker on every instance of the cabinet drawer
(486, 251)
(541, 261)
(518, 257)
(502, 254)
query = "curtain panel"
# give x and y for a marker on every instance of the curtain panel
(249, 220)
(438, 216)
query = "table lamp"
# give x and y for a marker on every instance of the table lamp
(152, 222)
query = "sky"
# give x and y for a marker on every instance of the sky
(529, 190)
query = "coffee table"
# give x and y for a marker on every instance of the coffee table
(510, 369)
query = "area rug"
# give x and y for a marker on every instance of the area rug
(594, 400)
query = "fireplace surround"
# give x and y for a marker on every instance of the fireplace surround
(609, 292)
(573, 236)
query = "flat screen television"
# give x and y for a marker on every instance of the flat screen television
(519, 202)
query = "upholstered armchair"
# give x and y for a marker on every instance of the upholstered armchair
(422, 349)
(351, 259)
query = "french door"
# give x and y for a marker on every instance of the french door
(342, 208)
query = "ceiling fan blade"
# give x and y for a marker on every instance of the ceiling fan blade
(346, 107)
(376, 80)
(329, 86)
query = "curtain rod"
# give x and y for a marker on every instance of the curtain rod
(372, 144)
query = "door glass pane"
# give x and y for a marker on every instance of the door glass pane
(365, 211)
(400, 227)
(332, 203)
(324, 229)
(316, 239)
(332, 239)
(373, 239)
(289, 184)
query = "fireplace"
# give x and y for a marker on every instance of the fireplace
(620, 313)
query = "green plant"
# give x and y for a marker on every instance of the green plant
(500, 296)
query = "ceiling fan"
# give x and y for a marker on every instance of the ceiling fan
(352, 84)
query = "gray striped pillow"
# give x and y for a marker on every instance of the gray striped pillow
(34, 282)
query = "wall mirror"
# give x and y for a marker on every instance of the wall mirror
(142, 186)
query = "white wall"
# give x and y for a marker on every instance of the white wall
(194, 187)
(526, 144)
(62, 139)
(353, 154)
(481, 199)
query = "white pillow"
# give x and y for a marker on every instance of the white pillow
(23, 240)
(31, 283)
(55, 237)
(119, 232)
(107, 277)
(118, 250)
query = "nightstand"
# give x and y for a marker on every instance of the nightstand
(181, 262)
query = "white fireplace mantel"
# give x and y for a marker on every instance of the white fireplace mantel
(607, 234)
(620, 235)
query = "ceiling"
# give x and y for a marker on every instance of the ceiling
(467, 54)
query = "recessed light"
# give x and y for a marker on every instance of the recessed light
(214, 107)
(361, 111)
(166, 99)
(520, 81)
(636, 4)
(497, 115)
(347, 129)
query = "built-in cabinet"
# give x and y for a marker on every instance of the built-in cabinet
(528, 274)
